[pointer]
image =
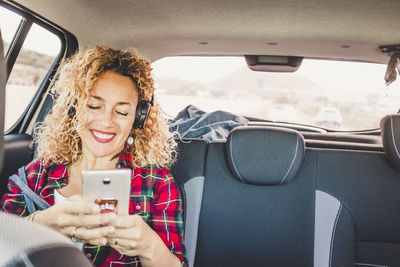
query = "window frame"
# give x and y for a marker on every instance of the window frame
(69, 45)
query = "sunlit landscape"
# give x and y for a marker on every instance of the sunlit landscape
(312, 95)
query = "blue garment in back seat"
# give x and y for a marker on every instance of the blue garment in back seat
(193, 122)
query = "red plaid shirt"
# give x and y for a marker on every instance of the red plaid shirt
(154, 195)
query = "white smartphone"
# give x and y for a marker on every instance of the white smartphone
(110, 189)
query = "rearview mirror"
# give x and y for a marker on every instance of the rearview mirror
(273, 63)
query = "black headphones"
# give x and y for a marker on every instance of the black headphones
(142, 112)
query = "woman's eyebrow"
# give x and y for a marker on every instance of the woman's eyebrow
(123, 103)
(97, 97)
(101, 99)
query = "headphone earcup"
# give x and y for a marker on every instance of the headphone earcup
(71, 112)
(142, 111)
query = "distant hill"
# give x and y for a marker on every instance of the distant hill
(30, 67)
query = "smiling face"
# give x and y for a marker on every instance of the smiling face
(109, 116)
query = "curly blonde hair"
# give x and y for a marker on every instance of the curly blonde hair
(57, 136)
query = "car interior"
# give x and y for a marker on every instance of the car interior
(23, 243)
(275, 191)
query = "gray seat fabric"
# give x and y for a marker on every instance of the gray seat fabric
(189, 174)
(367, 188)
(334, 236)
(390, 132)
(360, 202)
(272, 158)
(339, 207)
(248, 224)
(24, 243)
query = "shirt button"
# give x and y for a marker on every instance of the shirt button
(138, 207)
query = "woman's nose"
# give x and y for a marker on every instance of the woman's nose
(107, 117)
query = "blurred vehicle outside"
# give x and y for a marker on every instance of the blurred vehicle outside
(329, 117)
(282, 113)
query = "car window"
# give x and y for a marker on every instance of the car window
(38, 52)
(9, 22)
(331, 94)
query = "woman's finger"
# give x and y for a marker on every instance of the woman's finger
(93, 234)
(129, 221)
(97, 242)
(86, 235)
(85, 220)
(80, 207)
(75, 198)
(68, 231)
(124, 233)
(122, 243)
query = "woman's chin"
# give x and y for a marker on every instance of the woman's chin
(104, 154)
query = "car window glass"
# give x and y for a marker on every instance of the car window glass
(38, 52)
(9, 22)
(332, 94)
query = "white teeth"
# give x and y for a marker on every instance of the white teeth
(102, 136)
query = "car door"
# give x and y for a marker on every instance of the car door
(33, 47)
(2, 99)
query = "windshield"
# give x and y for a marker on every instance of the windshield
(332, 94)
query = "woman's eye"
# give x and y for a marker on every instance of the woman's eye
(122, 113)
(93, 107)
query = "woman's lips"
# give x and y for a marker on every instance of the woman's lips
(102, 137)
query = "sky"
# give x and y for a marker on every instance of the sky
(330, 75)
(196, 69)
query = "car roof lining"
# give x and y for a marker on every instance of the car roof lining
(349, 29)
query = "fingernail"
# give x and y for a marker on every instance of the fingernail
(96, 209)
(103, 242)
(111, 229)
(113, 216)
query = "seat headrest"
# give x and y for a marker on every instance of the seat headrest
(265, 155)
(390, 132)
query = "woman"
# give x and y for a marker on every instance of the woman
(92, 125)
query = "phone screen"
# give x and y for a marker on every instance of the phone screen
(107, 205)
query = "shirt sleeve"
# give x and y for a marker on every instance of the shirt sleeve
(167, 218)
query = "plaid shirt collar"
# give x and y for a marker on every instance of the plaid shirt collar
(58, 175)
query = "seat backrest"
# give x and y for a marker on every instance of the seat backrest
(17, 152)
(361, 192)
(358, 203)
(390, 132)
(189, 174)
(258, 201)
(263, 206)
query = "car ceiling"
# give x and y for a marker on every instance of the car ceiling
(349, 29)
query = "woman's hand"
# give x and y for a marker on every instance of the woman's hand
(76, 218)
(134, 237)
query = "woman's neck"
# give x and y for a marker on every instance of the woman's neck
(87, 162)
(93, 163)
